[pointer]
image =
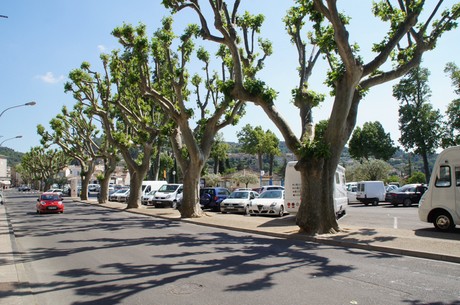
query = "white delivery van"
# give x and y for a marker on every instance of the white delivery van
(168, 195)
(440, 204)
(352, 188)
(292, 190)
(371, 192)
(151, 185)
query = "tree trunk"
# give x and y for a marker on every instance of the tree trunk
(135, 185)
(316, 213)
(110, 165)
(190, 207)
(426, 166)
(86, 173)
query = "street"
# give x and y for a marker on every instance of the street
(94, 255)
(384, 215)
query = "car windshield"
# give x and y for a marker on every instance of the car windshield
(272, 194)
(238, 195)
(50, 197)
(168, 188)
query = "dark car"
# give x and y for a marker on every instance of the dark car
(407, 194)
(388, 190)
(211, 197)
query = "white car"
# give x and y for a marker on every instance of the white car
(123, 196)
(114, 195)
(270, 202)
(238, 202)
(147, 199)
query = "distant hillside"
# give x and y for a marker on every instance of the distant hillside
(12, 156)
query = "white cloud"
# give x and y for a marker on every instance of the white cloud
(50, 78)
(101, 48)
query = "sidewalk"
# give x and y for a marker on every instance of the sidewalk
(14, 289)
(427, 244)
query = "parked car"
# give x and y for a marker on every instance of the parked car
(268, 203)
(49, 203)
(24, 188)
(407, 194)
(147, 199)
(371, 192)
(114, 195)
(123, 195)
(388, 190)
(56, 191)
(270, 187)
(211, 197)
(238, 202)
(94, 187)
(168, 195)
(352, 189)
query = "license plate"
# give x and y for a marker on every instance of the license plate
(52, 208)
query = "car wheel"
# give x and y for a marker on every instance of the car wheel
(375, 202)
(443, 222)
(281, 212)
(407, 202)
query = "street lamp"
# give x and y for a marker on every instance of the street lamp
(26, 104)
(16, 137)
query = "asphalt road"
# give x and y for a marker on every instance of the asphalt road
(93, 255)
(385, 215)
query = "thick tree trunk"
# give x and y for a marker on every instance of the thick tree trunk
(190, 207)
(316, 213)
(135, 185)
(86, 173)
(110, 165)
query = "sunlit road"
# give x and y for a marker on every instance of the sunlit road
(93, 255)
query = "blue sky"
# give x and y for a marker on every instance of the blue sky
(42, 41)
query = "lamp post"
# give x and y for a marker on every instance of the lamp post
(16, 137)
(26, 104)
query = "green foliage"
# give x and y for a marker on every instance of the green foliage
(372, 170)
(371, 141)
(417, 177)
(451, 134)
(246, 179)
(420, 125)
(212, 179)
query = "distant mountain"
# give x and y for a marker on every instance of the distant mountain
(12, 156)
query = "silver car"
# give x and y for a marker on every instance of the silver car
(238, 202)
(268, 203)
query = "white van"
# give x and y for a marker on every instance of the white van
(440, 204)
(151, 185)
(371, 192)
(168, 195)
(292, 187)
(352, 189)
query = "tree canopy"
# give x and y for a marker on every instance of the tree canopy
(371, 141)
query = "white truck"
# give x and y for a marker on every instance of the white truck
(440, 204)
(371, 192)
(292, 186)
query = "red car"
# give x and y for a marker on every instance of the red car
(50, 203)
